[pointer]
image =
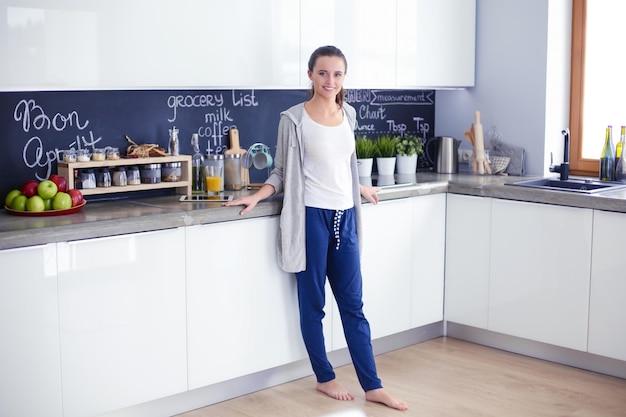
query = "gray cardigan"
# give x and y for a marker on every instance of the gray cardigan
(288, 177)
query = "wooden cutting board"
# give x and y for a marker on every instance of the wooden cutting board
(235, 148)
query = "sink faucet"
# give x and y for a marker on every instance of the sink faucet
(563, 169)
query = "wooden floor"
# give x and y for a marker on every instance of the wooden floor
(446, 377)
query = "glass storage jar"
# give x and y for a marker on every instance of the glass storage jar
(133, 176)
(119, 177)
(103, 178)
(99, 154)
(87, 178)
(171, 172)
(150, 173)
(69, 155)
(232, 172)
(83, 155)
(113, 154)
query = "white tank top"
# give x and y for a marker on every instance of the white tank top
(327, 173)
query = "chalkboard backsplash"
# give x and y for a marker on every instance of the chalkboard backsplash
(36, 126)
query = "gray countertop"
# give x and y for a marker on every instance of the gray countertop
(115, 217)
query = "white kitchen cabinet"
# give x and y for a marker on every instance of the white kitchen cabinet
(607, 309)
(364, 30)
(122, 320)
(468, 245)
(30, 361)
(428, 255)
(242, 310)
(436, 43)
(386, 262)
(398, 43)
(540, 263)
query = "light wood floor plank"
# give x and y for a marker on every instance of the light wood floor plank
(446, 377)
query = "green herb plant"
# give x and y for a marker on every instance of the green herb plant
(386, 146)
(365, 148)
(408, 145)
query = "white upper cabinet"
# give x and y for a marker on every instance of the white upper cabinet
(147, 44)
(365, 32)
(436, 43)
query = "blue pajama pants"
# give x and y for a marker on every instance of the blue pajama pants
(332, 251)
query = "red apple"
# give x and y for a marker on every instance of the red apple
(60, 181)
(29, 188)
(77, 197)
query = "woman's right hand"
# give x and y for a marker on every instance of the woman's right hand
(250, 201)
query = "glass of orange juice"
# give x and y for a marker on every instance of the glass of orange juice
(213, 179)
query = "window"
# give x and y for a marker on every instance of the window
(598, 90)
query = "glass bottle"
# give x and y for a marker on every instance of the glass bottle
(198, 184)
(173, 141)
(620, 164)
(607, 158)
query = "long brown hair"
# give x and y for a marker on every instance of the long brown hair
(329, 50)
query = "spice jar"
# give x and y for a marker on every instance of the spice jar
(87, 179)
(69, 155)
(103, 179)
(133, 176)
(150, 173)
(171, 172)
(98, 154)
(232, 172)
(216, 160)
(83, 155)
(119, 177)
(113, 153)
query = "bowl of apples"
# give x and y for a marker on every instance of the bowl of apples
(49, 197)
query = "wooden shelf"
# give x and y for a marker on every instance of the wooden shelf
(67, 170)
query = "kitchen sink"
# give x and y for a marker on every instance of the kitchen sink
(585, 186)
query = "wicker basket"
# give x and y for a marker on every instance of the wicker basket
(499, 164)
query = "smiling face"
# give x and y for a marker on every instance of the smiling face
(327, 76)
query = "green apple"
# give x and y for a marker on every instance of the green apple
(35, 203)
(19, 203)
(61, 201)
(12, 194)
(47, 189)
(47, 203)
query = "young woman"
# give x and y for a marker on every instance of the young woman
(315, 169)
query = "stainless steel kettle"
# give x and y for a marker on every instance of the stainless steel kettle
(443, 153)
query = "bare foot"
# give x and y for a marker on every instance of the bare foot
(382, 396)
(334, 390)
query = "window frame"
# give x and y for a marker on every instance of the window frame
(578, 165)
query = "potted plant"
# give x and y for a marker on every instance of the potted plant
(386, 155)
(365, 152)
(408, 148)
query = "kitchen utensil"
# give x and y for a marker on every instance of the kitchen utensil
(499, 164)
(235, 148)
(442, 152)
(261, 156)
(479, 146)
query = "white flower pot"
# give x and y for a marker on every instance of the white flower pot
(386, 166)
(406, 164)
(365, 166)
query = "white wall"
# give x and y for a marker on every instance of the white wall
(522, 78)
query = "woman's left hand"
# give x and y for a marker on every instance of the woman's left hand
(370, 193)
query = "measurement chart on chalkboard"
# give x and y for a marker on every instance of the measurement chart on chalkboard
(38, 125)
